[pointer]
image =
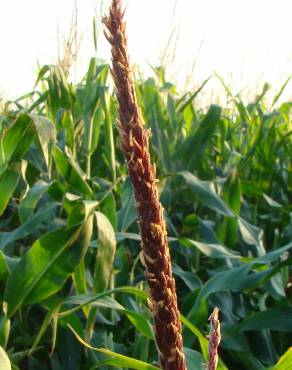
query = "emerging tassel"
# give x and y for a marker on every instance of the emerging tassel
(214, 339)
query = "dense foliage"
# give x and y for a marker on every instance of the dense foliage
(70, 272)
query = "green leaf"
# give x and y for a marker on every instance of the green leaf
(275, 318)
(285, 361)
(279, 93)
(108, 208)
(29, 202)
(116, 359)
(46, 134)
(271, 202)
(210, 250)
(225, 280)
(8, 183)
(86, 299)
(193, 147)
(127, 215)
(22, 231)
(252, 235)
(67, 121)
(59, 93)
(232, 196)
(141, 323)
(189, 277)
(194, 359)
(203, 341)
(4, 360)
(69, 169)
(109, 138)
(102, 301)
(16, 141)
(206, 194)
(184, 103)
(272, 256)
(105, 253)
(43, 270)
(4, 269)
(4, 327)
(49, 318)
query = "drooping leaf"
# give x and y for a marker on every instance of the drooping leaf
(210, 250)
(116, 359)
(16, 141)
(29, 202)
(275, 318)
(105, 253)
(70, 170)
(206, 194)
(141, 323)
(225, 280)
(8, 183)
(46, 134)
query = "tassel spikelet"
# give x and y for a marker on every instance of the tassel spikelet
(134, 138)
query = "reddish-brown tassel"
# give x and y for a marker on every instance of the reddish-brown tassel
(135, 145)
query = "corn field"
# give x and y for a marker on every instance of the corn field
(73, 289)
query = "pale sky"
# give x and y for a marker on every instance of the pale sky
(248, 42)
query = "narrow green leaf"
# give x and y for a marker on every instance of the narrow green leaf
(46, 134)
(203, 341)
(86, 299)
(29, 202)
(285, 361)
(206, 194)
(8, 183)
(109, 145)
(68, 124)
(275, 318)
(4, 270)
(117, 359)
(225, 280)
(53, 311)
(69, 169)
(194, 359)
(34, 223)
(141, 323)
(127, 215)
(210, 250)
(271, 202)
(16, 141)
(277, 96)
(105, 253)
(272, 256)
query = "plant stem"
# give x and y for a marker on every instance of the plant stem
(135, 145)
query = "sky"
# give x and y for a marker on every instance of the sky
(247, 42)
